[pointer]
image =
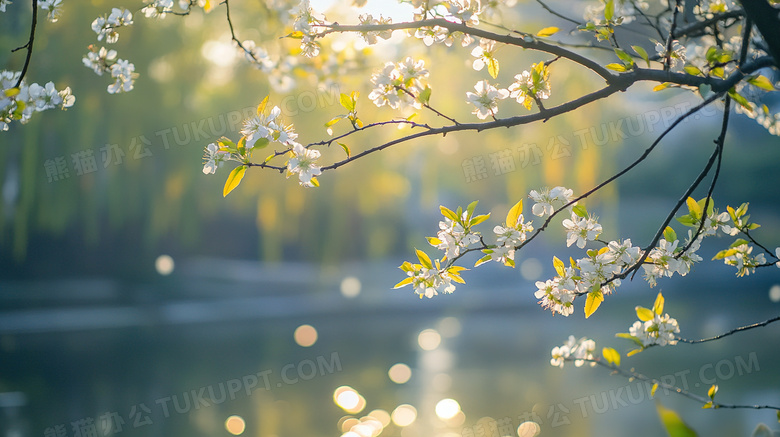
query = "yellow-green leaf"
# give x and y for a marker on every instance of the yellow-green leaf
(593, 302)
(634, 352)
(661, 86)
(433, 241)
(611, 355)
(514, 214)
(482, 260)
(11, 92)
(234, 178)
(740, 99)
(425, 96)
(493, 67)
(334, 120)
(644, 314)
(707, 405)
(692, 70)
(448, 213)
(711, 392)
(641, 52)
(314, 182)
(673, 423)
(617, 67)
(261, 106)
(658, 306)
(559, 266)
(346, 102)
(669, 234)
(209, 6)
(652, 390)
(693, 207)
(609, 10)
(404, 283)
(424, 259)
(761, 82)
(345, 147)
(547, 31)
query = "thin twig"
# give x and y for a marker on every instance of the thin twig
(733, 331)
(559, 15)
(630, 374)
(29, 45)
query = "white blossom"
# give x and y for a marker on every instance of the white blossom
(302, 163)
(485, 99)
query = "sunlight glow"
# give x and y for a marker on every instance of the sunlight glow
(164, 265)
(350, 287)
(447, 409)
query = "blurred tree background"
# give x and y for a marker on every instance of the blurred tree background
(147, 196)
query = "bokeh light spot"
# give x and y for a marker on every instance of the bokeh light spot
(529, 429)
(350, 287)
(404, 415)
(399, 373)
(164, 265)
(305, 335)
(235, 425)
(447, 408)
(774, 293)
(429, 339)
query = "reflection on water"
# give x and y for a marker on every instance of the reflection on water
(220, 347)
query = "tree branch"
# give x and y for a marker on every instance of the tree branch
(733, 331)
(29, 45)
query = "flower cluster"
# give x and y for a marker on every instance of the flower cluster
(531, 86)
(302, 163)
(653, 327)
(157, 9)
(763, 116)
(267, 128)
(399, 85)
(106, 27)
(485, 99)
(19, 103)
(741, 258)
(581, 229)
(508, 237)
(53, 7)
(429, 279)
(371, 36)
(213, 158)
(547, 200)
(659, 330)
(103, 60)
(573, 349)
(676, 54)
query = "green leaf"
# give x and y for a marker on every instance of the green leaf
(425, 95)
(673, 423)
(644, 314)
(347, 102)
(593, 302)
(433, 241)
(580, 210)
(724, 253)
(738, 242)
(345, 147)
(404, 283)
(669, 234)
(611, 355)
(492, 65)
(742, 210)
(761, 82)
(687, 220)
(712, 391)
(547, 31)
(625, 57)
(560, 267)
(658, 306)
(642, 53)
(609, 10)
(424, 259)
(234, 178)
(514, 214)
(470, 209)
(692, 70)
(753, 226)
(739, 99)
(707, 405)
(616, 67)
(261, 143)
